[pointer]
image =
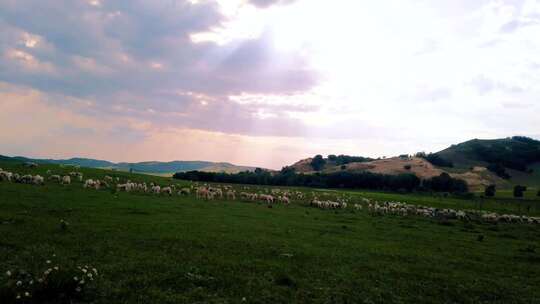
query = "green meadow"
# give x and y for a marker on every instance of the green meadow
(177, 249)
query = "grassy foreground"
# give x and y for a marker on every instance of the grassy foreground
(157, 249)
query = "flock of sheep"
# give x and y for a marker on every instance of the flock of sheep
(268, 196)
(404, 209)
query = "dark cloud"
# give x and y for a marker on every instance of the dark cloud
(127, 56)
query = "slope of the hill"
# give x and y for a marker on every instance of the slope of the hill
(516, 153)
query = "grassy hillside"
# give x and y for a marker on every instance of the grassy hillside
(161, 249)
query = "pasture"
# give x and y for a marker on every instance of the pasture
(178, 249)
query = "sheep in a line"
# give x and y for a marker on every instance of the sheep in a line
(403, 209)
(328, 204)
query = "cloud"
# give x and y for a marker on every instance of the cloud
(485, 85)
(124, 56)
(264, 81)
(268, 3)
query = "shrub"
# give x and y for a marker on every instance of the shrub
(490, 191)
(64, 226)
(55, 284)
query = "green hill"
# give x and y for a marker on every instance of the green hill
(516, 158)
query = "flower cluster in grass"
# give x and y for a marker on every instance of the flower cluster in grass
(54, 283)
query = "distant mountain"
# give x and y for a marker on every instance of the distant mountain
(162, 168)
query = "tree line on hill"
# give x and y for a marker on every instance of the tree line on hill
(517, 154)
(435, 159)
(318, 162)
(358, 180)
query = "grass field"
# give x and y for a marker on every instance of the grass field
(160, 249)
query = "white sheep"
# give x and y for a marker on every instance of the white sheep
(66, 180)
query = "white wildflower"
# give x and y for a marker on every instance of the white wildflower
(27, 294)
(19, 283)
(8, 273)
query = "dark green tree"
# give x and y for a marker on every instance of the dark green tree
(317, 163)
(518, 191)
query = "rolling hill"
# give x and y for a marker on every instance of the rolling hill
(150, 167)
(504, 162)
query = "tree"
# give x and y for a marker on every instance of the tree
(490, 191)
(332, 157)
(499, 170)
(518, 191)
(317, 163)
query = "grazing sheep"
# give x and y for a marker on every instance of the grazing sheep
(204, 193)
(166, 190)
(55, 178)
(156, 189)
(66, 180)
(184, 191)
(284, 200)
(5, 176)
(269, 199)
(38, 180)
(231, 195)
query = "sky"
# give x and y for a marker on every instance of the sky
(264, 82)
